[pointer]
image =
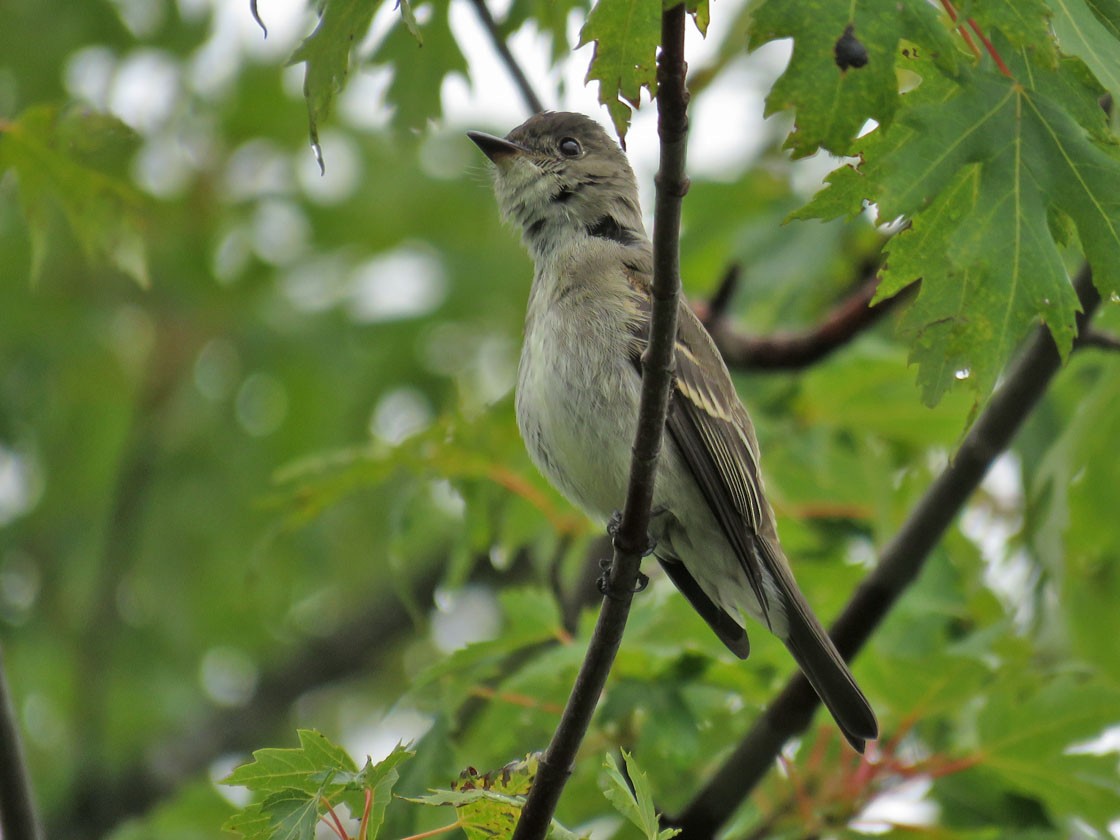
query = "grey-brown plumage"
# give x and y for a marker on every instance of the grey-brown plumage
(569, 188)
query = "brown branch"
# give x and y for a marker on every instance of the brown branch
(18, 819)
(797, 350)
(901, 561)
(657, 373)
(1098, 339)
(532, 101)
(720, 301)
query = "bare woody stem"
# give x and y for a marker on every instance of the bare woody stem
(797, 350)
(532, 101)
(657, 373)
(899, 565)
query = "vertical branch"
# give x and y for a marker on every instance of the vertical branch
(17, 806)
(657, 375)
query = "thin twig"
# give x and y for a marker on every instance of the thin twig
(18, 819)
(901, 561)
(532, 101)
(657, 372)
(793, 351)
(719, 302)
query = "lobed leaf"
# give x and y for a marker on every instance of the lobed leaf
(832, 104)
(1027, 740)
(62, 158)
(300, 768)
(1025, 24)
(626, 34)
(982, 170)
(419, 70)
(635, 803)
(326, 52)
(1091, 31)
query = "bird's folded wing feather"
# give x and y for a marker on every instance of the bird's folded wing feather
(711, 429)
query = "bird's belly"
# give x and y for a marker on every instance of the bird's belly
(577, 416)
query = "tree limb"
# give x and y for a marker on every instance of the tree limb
(532, 101)
(1098, 339)
(657, 374)
(794, 351)
(901, 561)
(18, 819)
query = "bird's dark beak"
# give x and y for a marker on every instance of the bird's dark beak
(495, 148)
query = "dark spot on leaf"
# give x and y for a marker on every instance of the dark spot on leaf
(849, 50)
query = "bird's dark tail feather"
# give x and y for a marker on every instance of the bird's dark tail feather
(829, 675)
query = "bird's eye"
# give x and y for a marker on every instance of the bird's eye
(569, 147)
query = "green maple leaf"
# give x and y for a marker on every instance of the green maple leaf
(626, 34)
(551, 16)
(278, 770)
(326, 52)
(380, 778)
(1025, 24)
(833, 104)
(292, 815)
(298, 783)
(1090, 30)
(1026, 737)
(74, 160)
(635, 804)
(419, 70)
(991, 174)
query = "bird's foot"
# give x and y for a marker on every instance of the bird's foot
(614, 524)
(604, 582)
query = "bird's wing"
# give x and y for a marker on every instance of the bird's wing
(710, 427)
(713, 432)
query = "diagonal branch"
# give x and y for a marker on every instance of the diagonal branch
(901, 561)
(532, 101)
(657, 374)
(1099, 339)
(797, 350)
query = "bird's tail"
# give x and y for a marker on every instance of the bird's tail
(829, 675)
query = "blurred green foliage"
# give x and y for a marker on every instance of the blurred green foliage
(277, 481)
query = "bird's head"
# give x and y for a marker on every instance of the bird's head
(560, 177)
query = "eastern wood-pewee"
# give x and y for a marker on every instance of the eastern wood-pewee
(561, 178)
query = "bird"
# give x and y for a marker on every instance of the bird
(569, 188)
